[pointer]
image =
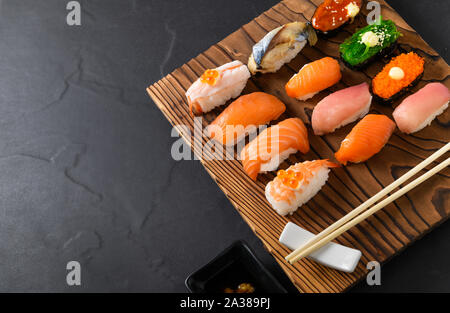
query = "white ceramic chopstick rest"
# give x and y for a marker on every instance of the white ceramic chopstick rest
(332, 254)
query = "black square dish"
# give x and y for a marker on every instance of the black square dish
(235, 265)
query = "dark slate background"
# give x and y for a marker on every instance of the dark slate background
(85, 166)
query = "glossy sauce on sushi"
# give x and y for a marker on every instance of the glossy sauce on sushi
(366, 139)
(313, 78)
(399, 74)
(243, 116)
(332, 14)
(273, 146)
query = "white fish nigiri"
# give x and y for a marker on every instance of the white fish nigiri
(217, 86)
(341, 108)
(420, 109)
(297, 185)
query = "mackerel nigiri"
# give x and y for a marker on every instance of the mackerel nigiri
(216, 86)
(419, 109)
(243, 116)
(314, 77)
(273, 145)
(280, 46)
(366, 139)
(297, 185)
(341, 108)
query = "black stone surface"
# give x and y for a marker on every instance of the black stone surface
(85, 166)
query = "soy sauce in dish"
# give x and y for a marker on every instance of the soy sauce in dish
(231, 276)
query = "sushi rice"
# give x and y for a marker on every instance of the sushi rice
(286, 200)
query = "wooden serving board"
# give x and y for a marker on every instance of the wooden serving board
(380, 237)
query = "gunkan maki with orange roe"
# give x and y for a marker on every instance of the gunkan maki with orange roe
(398, 76)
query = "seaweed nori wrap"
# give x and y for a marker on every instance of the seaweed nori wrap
(368, 43)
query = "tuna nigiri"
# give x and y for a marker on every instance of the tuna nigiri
(295, 186)
(419, 109)
(341, 108)
(216, 86)
(366, 139)
(243, 116)
(273, 145)
(314, 77)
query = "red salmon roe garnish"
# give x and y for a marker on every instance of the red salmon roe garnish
(210, 77)
(293, 183)
(281, 173)
(290, 178)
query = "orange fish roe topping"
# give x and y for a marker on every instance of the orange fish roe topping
(290, 178)
(210, 77)
(411, 64)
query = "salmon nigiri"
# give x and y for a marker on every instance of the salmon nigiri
(341, 108)
(313, 78)
(366, 139)
(243, 116)
(297, 185)
(273, 145)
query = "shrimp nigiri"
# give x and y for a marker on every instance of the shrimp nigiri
(295, 186)
(216, 86)
(366, 139)
(273, 145)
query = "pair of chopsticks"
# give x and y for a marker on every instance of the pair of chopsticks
(362, 212)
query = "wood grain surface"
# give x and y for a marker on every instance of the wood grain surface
(380, 237)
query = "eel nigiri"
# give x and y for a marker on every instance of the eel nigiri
(366, 139)
(341, 108)
(332, 14)
(314, 77)
(280, 46)
(295, 186)
(217, 86)
(243, 116)
(273, 145)
(420, 109)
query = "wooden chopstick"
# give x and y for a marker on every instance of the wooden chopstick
(370, 201)
(369, 212)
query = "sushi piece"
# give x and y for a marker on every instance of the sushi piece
(332, 14)
(274, 145)
(243, 116)
(295, 186)
(313, 78)
(420, 109)
(280, 46)
(366, 139)
(369, 43)
(341, 108)
(398, 76)
(217, 86)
